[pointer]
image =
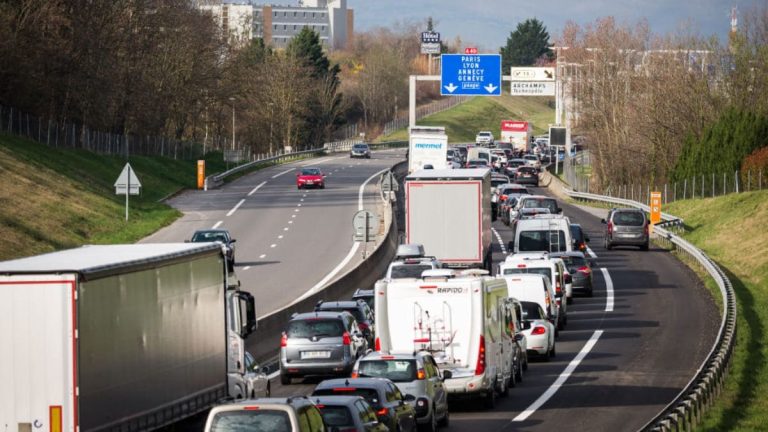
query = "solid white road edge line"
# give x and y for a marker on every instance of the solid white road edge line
(608, 290)
(284, 172)
(273, 375)
(346, 259)
(256, 188)
(501, 242)
(217, 224)
(236, 207)
(591, 253)
(560, 379)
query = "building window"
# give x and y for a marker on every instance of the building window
(305, 14)
(285, 14)
(294, 13)
(275, 26)
(322, 15)
(275, 14)
(294, 28)
(285, 27)
(313, 14)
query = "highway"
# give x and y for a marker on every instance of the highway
(625, 354)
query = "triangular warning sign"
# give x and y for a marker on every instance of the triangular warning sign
(126, 180)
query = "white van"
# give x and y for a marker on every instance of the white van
(479, 153)
(533, 287)
(552, 268)
(542, 233)
(460, 319)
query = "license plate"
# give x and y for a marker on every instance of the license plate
(315, 354)
(628, 235)
(310, 181)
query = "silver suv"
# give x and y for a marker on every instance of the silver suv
(320, 343)
(626, 227)
(416, 374)
(293, 414)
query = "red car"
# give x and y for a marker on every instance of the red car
(310, 177)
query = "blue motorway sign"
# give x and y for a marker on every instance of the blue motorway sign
(470, 75)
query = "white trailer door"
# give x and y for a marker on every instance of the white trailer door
(38, 364)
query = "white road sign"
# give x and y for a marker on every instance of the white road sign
(127, 181)
(532, 88)
(533, 73)
(430, 48)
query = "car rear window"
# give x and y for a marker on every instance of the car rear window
(573, 262)
(396, 370)
(535, 241)
(370, 395)
(315, 327)
(408, 270)
(338, 416)
(531, 311)
(252, 421)
(628, 218)
(544, 271)
(353, 310)
(546, 203)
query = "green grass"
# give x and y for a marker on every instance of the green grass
(731, 230)
(54, 199)
(463, 121)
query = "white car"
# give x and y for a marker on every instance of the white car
(533, 160)
(538, 330)
(484, 138)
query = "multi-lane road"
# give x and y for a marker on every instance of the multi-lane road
(625, 354)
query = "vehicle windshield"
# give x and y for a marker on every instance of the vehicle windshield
(409, 270)
(360, 147)
(310, 171)
(546, 203)
(336, 416)
(544, 240)
(202, 237)
(544, 271)
(315, 327)
(531, 311)
(370, 395)
(498, 182)
(395, 370)
(628, 218)
(353, 310)
(251, 421)
(515, 163)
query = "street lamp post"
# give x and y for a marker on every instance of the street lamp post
(233, 121)
(270, 128)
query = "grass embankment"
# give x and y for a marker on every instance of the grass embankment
(54, 199)
(463, 121)
(732, 230)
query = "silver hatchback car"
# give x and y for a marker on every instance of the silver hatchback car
(320, 343)
(626, 227)
(415, 374)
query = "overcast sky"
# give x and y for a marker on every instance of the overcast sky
(487, 23)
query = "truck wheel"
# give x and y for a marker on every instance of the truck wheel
(285, 379)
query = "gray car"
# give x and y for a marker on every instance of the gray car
(320, 343)
(360, 151)
(626, 227)
(348, 413)
(580, 268)
(416, 374)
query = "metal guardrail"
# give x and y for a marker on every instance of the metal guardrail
(216, 180)
(686, 410)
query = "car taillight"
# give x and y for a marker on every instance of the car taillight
(582, 247)
(585, 270)
(558, 290)
(362, 326)
(346, 340)
(284, 340)
(480, 369)
(382, 412)
(377, 344)
(610, 227)
(355, 375)
(646, 229)
(538, 330)
(420, 375)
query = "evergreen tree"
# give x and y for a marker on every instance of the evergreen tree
(525, 45)
(306, 46)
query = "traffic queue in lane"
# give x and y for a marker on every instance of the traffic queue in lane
(439, 326)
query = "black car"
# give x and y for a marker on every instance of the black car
(217, 235)
(365, 295)
(381, 393)
(527, 175)
(358, 308)
(580, 238)
(580, 268)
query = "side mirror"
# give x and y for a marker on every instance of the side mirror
(447, 374)
(233, 241)
(410, 398)
(518, 337)
(602, 221)
(558, 210)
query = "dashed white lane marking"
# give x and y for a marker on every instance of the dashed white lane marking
(293, 216)
(290, 222)
(296, 210)
(273, 375)
(236, 207)
(246, 267)
(501, 242)
(298, 205)
(273, 245)
(560, 379)
(217, 224)
(256, 188)
(608, 290)
(285, 229)
(304, 196)
(262, 256)
(284, 172)
(301, 200)
(591, 253)
(280, 236)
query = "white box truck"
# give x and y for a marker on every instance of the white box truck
(517, 133)
(119, 337)
(463, 319)
(427, 146)
(449, 212)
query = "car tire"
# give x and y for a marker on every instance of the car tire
(519, 373)
(285, 379)
(645, 246)
(510, 383)
(525, 364)
(608, 245)
(569, 300)
(446, 420)
(431, 425)
(490, 399)
(322, 186)
(298, 187)
(553, 352)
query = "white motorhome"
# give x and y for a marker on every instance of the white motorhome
(462, 318)
(427, 147)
